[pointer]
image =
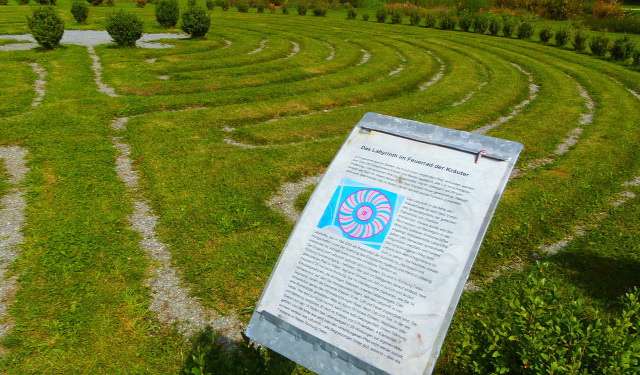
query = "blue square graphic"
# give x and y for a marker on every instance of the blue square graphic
(361, 213)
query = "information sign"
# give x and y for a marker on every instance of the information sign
(371, 275)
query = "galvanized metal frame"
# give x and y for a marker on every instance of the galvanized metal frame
(326, 359)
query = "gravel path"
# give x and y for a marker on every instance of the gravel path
(438, 76)
(263, 43)
(90, 38)
(12, 219)
(170, 300)
(285, 199)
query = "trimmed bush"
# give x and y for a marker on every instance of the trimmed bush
(495, 26)
(526, 30)
(285, 9)
(302, 8)
(191, 3)
(168, 13)
(224, 4)
(260, 7)
(509, 27)
(46, 2)
(352, 13)
(95, 3)
(396, 16)
(243, 6)
(141, 3)
(414, 18)
(22, 2)
(4, 2)
(448, 21)
(210, 4)
(365, 16)
(599, 45)
(579, 41)
(465, 21)
(381, 15)
(80, 11)
(546, 34)
(636, 57)
(195, 22)
(46, 26)
(111, 3)
(320, 10)
(538, 329)
(622, 48)
(563, 36)
(124, 28)
(430, 19)
(481, 23)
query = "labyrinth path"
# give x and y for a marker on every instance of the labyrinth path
(201, 150)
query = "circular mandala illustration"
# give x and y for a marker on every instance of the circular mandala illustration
(364, 214)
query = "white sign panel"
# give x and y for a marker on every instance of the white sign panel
(377, 258)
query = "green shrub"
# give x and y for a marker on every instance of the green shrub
(210, 357)
(285, 9)
(495, 26)
(352, 13)
(622, 48)
(141, 3)
(509, 27)
(599, 45)
(111, 3)
(4, 2)
(414, 18)
(22, 2)
(210, 4)
(396, 16)
(546, 34)
(46, 26)
(430, 19)
(124, 28)
(260, 7)
(365, 16)
(481, 23)
(224, 4)
(473, 6)
(381, 15)
(80, 11)
(526, 30)
(465, 21)
(448, 21)
(580, 37)
(95, 3)
(636, 57)
(302, 8)
(191, 3)
(320, 10)
(195, 22)
(46, 2)
(540, 330)
(243, 6)
(563, 36)
(168, 13)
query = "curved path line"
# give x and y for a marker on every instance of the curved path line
(12, 220)
(533, 94)
(285, 199)
(263, 43)
(170, 300)
(296, 49)
(40, 84)
(573, 137)
(332, 53)
(438, 76)
(365, 57)
(472, 93)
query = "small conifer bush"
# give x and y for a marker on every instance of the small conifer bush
(141, 3)
(168, 13)
(465, 21)
(430, 19)
(224, 4)
(191, 3)
(22, 2)
(365, 16)
(4, 2)
(46, 26)
(526, 30)
(636, 57)
(396, 16)
(414, 17)
(622, 48)
(196, 21)
(124, 28)
(111, 3)
(302, 8)
(481, 23)
(509, 27)
(260, 7)
(320, 10)
(284, 8)
(495, 26)
(448, 21)
(46, 2)
(352, 13)
(243, 6)
(563, 36)
(599, 45)
(580, 37)
(95, 3)
(381, 15)
(80, 11)
(545, 34)
(210, 4)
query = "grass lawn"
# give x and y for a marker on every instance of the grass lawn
(293, 87)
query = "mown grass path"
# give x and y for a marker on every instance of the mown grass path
(290, 87)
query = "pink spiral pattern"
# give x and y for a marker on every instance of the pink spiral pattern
(364, 214)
